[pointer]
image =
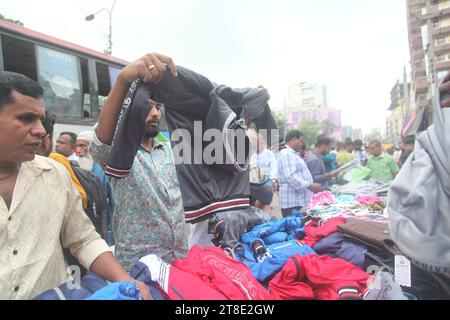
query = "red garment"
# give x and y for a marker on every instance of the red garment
(314, 232)
(185, 286)
(318, 277)
(230, 277)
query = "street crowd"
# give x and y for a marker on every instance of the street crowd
(64, 204)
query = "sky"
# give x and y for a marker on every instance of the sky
(357, 48)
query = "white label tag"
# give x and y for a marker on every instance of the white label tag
(403, 271)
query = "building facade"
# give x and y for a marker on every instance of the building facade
(429, 44)
(326, 117)
(306, 95)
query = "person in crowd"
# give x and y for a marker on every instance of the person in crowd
(66, 145)
(383, 167)
(408, 149)
(316, 163)
(390, 150)
(344, 154)
(40, 209)
(149, 214)
(264, 162)
(296, 182)
(397, 151)
(46, 148)
(359, 153)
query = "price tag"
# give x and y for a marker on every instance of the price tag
(403, 271)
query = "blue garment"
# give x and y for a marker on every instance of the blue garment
(267, 265)
(98, 171)
(330, 162)
(91, 284)
(336, 247)
(118, 291)
(272, 232)
(345, 198)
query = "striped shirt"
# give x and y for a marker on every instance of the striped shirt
(294, 178)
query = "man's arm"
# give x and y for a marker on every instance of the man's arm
(151, 68)
(107, 267)
(79, 235)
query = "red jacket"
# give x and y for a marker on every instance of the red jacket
(230, 277)
(315, 231)
(318, 277)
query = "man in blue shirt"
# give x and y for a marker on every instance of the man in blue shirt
(316, 164)
(296, 182)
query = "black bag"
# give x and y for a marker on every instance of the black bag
(97, 199)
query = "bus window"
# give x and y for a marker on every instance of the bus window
(104, 83)
(113, 74)
(87, 107)
(59, 75)
(19, 56)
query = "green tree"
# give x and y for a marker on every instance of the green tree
(311, 130)
(328, 128)
(2, 17)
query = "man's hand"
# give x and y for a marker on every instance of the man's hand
(275, 186)
(145, 293)
(150, 67)
(444, 89)
(315, 187)
(330, 175)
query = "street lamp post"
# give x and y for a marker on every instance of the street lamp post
(110, 12)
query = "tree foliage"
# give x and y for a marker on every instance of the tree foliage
(311, 129)
(2, 17)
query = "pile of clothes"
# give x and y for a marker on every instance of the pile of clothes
(364, 207)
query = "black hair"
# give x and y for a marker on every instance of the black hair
(323, 141)
(11, 81)
(409, 140)
(358, 142)
(73, 137)
(48, 122)
(376, 143)
(294, 134)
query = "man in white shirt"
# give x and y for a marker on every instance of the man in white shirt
(40, 209)
(264, 172)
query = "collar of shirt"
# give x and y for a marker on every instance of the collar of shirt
(156, 145)
(382, 156)
(28, 173)
(290, 149)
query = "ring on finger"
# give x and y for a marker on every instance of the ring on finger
(151, 67)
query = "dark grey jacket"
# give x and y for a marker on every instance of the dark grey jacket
(206, 187)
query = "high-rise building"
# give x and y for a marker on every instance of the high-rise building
(306, 95)
(397, 117)
(429, 44)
